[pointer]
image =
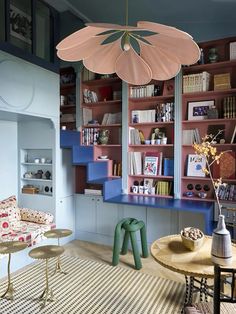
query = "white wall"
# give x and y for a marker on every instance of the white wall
(8, 158)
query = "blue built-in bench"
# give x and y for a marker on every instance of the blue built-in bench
(112, 188)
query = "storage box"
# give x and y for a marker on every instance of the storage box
(222, 81)
(30, 190)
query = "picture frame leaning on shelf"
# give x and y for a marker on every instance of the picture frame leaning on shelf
(197, 110)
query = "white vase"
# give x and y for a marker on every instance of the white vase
(221, 250)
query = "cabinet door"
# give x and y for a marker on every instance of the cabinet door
(85, 213)
(107, 217)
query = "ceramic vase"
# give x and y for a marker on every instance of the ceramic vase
(213, 55)
(221, 250)
(103, 137)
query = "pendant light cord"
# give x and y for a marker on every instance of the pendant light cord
(126, 12)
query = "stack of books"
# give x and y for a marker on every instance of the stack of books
(143, 116)
(142, 91)
(134, 136)
(163, 188)
(227, 192)
(190, 137)
(111, 118)
(89, 96)
(116, 171)
(135, 163)
(165, 112)
(90, 136)
(229, 107)
(198, 82)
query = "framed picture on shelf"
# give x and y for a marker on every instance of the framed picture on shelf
(195, 166)
(197, 110)
(20, 25)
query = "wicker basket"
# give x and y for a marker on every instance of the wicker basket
(190, 244)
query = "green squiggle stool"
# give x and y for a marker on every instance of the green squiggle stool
(130, 225)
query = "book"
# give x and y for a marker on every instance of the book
(233, 138)
(226, 167)
(222, 81)
(168, 167)
(195, 166)
(151, 163)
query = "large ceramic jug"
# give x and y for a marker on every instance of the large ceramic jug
(103, 136)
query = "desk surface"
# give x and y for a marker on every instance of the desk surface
(172, 254)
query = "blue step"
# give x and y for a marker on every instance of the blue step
(97, 171)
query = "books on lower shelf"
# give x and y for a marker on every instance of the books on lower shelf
(168, 167)
(116, 169)
(198, 82)
(190, 137)
(227, 192)
(163, 188)
(90, 136)
(195, 166)
(135, 163)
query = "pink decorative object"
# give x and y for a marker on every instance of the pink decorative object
(136, 54)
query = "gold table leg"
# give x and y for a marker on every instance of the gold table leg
(58, 268)
(8, 294)
(47, 294)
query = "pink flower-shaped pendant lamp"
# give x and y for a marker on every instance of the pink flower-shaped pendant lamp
(136, 54)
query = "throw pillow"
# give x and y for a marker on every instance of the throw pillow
(9, 206)
(36, 216)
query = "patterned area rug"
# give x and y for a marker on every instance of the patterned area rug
(92, 288)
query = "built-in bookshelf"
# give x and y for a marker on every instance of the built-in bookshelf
(209, 107)
(68, 98)
(101, 107)
(151, 139)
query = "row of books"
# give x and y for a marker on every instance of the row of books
(143, 116)
(227, 192)
(150, 164)
(165, 112)
(142, 91)
(89, 96)
(90, 136)
(112, 118)
(151, 187)
(116, 168)
(190, 137)
(164, 188)
(229, 107)
(198, 82)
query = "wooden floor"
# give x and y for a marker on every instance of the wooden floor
(103, 254)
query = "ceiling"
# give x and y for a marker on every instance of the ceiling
(195, 17)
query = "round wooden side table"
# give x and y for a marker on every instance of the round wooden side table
(45, 253)
(9, 248)
(57, 234)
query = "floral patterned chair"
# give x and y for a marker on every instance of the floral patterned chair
(23, 224)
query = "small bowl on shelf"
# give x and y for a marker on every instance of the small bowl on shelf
(192, 238)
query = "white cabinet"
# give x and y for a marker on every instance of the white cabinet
(95, 216)
(36, 171)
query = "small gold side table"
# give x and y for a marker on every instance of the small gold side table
(57, 234)
(9, 248)
(46, 252)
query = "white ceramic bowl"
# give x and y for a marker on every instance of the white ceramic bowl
(103, 157)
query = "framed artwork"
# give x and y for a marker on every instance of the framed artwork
(169, 88)
(197, 110)
(20, 25)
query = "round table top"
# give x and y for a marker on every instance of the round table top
(46, 251)
(12, 247)
(58, 233)
(171, 253)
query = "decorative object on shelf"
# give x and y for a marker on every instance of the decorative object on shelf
(212, 113)
(222, 81)
(48, 175)
(136, 54)
(202, 194)
(39, 174)
(221, 251)
(198, 110)
(216, 131)
(213, 55)
(195, 165)
(103, 137)
(232, 51)
(192, 238)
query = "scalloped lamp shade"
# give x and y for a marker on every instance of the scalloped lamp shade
(136, 54)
